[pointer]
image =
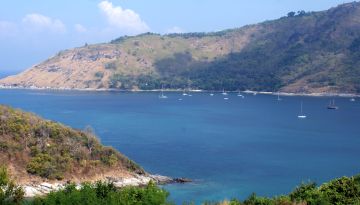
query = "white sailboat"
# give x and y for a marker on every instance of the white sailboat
(301, 115)
(224, 93)
(278, 96)
(184, 93)
(162, 96)
(240, 95)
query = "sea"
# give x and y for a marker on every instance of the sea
(229, 148)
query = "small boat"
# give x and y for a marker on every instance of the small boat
(301, 115)
(332, 105)
(162, 96)
(211, 94)
(352, 100)
(224, 93)
(254, 93)
(226, 98)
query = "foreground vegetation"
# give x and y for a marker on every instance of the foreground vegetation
(341, 191)
(103, 193)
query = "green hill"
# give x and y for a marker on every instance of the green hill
(37, 149)
(302, 52)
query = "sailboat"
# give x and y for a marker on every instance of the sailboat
(162, 96)
(332, 105)
(301, 115)
(240, 95)
(224, 93)
(184, 93)
(278, 96)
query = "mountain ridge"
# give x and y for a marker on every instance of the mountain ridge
(305, 52)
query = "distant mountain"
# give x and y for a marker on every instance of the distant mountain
(35, 149)
(302, 52)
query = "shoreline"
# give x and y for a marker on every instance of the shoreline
(324, 94)
(40, 189)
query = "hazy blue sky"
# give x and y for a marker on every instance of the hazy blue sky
(33, 30)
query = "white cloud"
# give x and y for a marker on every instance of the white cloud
(80, 28)
(175, 29)
(37, 23)
(126, 20)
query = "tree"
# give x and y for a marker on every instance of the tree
(10, 193)
(291, 14)
(301, 13)
(91, 139)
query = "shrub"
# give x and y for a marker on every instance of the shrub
(341, 191)
(99, 74)
(308, 193)
(106, 193)
(10, 193)
(47, 166)
(111, 66)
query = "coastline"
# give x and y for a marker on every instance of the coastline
(323, 94)
(43, 188)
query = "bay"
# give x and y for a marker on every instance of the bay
(230, 148)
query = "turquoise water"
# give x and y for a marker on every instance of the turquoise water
(230, 148)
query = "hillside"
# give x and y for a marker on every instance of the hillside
(303, 52)
(35, 149)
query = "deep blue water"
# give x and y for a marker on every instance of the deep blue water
(230, 148)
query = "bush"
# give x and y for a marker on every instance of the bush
(47, 166)
(308, 193)
(111, 66)
(10, 193)
(345, 190)
(106, 193)
(99, 74)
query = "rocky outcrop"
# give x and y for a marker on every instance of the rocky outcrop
(34, 189)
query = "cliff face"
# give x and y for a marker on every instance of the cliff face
(303, 52)
(35, 149)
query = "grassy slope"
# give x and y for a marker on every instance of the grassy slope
(36, 149)
(309, 52)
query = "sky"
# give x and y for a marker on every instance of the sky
(33, 30)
